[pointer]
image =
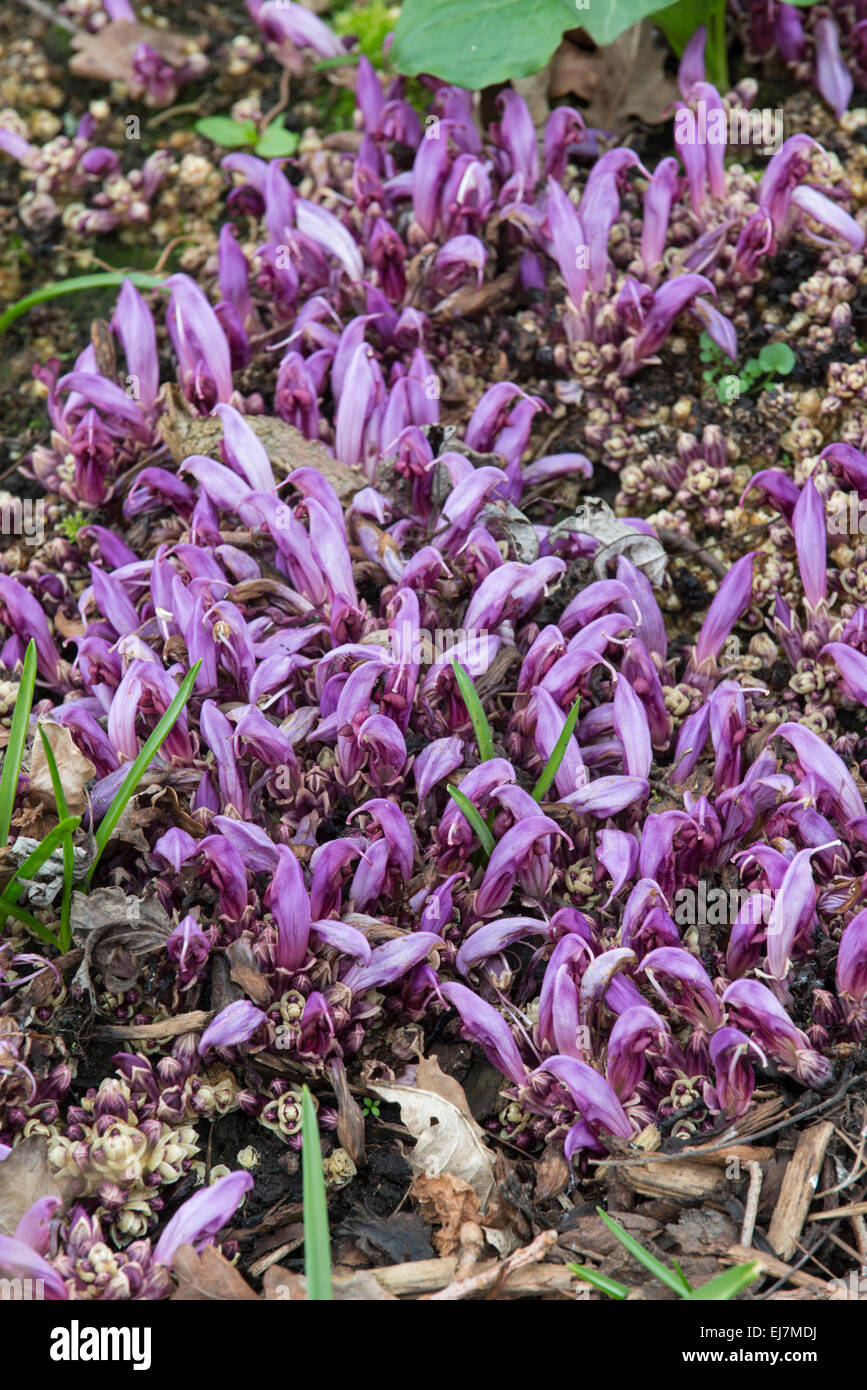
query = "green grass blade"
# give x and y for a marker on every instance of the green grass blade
(104, 280)
(141, 764)
(317, 1248)
(611, 1287)
(666, 1276)
(558, 753)
(727, 1285)
(68, 849)
(468, 809)
(17, 739)
(482, 728)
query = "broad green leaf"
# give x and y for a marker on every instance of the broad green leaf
(605, 20)
(601, 1282)
(317, 1250)
(276, 142)
(486, 839)
(778, 358)
(679, 22)
(474, 43)
(17, 739)
(226, 132)
(666, 1276)
(726, 1286)
(105, 280)
(141, 764)
(558, 753)
(481, 727)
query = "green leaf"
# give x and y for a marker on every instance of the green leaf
(751, 368)
(601, 1282)
(481, 727)
(17, 739)
(726, 1286)
(486, 839)
(667, 1276)
(105, 280)
(317, 1250)
(276, 141)
(226, 132)
(68, 848)
(141, 764)
(475, 43)
(778, 358)
(558, 753)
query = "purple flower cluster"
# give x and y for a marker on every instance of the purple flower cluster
(317, 843)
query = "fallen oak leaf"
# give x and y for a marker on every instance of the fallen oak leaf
(74, 768)
(447, 1202)
(622, 79)
(446, 1140)
(207, 1276)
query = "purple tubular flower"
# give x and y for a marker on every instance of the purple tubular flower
(756, 1010)
(457, 258)
(567, 241)
(134, 324)
(732, 600)
(617, 852)
(833, 78)
(34, 1227)
(488, 940)
(634, 1033)
(794, 906)
(291, 26)
(436, 761)
(189, 947)
(482, 1024)
(631, 727)
(691, 68)
(852, 666)
(594, 1099)
(26, 618)
(789, 33)
(850, 461)
(232, 1025)
(718, 328)
(695, 997)
(524, 853)
(735, 1079)
(852, 960)
(550, 721)
(176, 847)
(20, 1261)
(218, 735)
(391, 961)
(564, 131)
(202, 1216)
(288, 902)
(327, 231)
(784, 173)
(200, 343)
(668, 301)
(658, 200)
(829, 214)
(608, 795)
(829, 770)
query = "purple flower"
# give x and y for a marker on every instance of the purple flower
(755, 1009)
(482, 1024)
(636, 1031)
(205, 370)
(668, 301)
(735, 1079)
(234, 1024)
(189, 947)
(794, 907)
(523, 853)
(732, 600)
(203, 1215)
(594, 1099)
(19, 1260)
(568, 242)
(852, 959)
(832, 76)
(287, 900)
(694, 995)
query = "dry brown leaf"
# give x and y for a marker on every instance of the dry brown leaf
(74, 768)
(208, 1276)
(246, 973)
(431, 1077)
(24, 1178)
(446, 1202)
(107, 56)
(363, 1287)
(446, 1140)
(625, 78)
(350, 1121)
(115, 930)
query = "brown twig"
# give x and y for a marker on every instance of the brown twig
(751, 1206)
(281, 104)
(675, 541)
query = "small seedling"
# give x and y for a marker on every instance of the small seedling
(757, 374)
(370, 1107)
(274, 142)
